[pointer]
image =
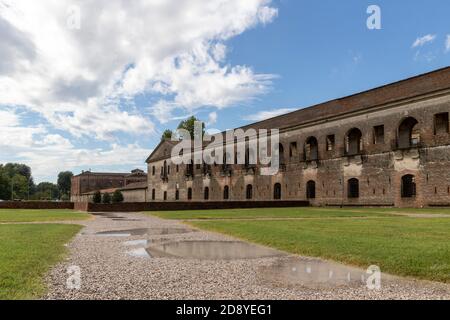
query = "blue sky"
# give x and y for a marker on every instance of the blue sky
(112, 96)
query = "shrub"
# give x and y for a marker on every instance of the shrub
(106, 198)
(97, 197)
(117, 196)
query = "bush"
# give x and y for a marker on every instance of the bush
(117, 197)
(97, 197)
(106, 198)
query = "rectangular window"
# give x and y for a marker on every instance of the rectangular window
(378, 134)
(441, 123)
(330, 142)
(293, 149)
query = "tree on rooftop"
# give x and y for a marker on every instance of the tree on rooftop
(167, 134)
(189, 125)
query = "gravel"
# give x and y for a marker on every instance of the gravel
(110, 270)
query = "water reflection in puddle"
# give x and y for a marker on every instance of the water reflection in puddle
(139, 253)
(313, 273)
(143, 231)
(136, 243)
(211, 250)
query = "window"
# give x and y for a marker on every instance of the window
(178, 168)
(441, 123)
(226, 193)
(378, 134)
(408, 133)
(353, 188)
(249, 192)
(330, 142)
(408, 186)
(153, 194)
(353, 142)
(177, 194)
(165, 195)
(277, 191)
(292, 149)
(206, 194)
(311, 190)
(153, 170)
(281, 153)
(189, 194)
(168, 170)
(311, 149)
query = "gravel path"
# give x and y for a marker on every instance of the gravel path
(109, 271)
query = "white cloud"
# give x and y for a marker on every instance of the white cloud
(421, 41)
(447, 43)
(84, 81)
(263, 115)
(212, 119)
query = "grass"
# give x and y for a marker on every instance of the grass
(18, 215)
(26, 253)
(416, 247)
(268, 213)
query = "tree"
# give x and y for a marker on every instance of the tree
(117, 196)
(97, 198)
(19, 187)
(46, 191)
(167, 134)
(65, 182)
(106, 198)
(189, 125)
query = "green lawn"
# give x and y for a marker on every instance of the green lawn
(416, 247)
(26, 254)
(269, 213)
(17, 215)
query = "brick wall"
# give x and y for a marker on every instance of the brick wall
(35, 205)
(176, 206)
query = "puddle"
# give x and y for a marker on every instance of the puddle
(125, 219)
(139, 253)
(211, 250)
(143, 231)
(136, 243)
(313, 273)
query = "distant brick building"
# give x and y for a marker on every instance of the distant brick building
(87, 183)
(388, 146)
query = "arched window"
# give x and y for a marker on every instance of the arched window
(353, 188)
(311, 149)
(353, 142)
(408, 186)
(311, 190)
(408, 133)
(177, 194)
(226, 193)
(153, 194)
(189, 194)
(206, 194)
(249, 192)
(277, 191)
(281, 153)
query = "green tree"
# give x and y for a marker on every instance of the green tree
(167, 134)
(189, 124)
(106, 198)
(5, 185)
(46, 191)
(117, 196)
(97, 198)
(65, 182)
(19, 187)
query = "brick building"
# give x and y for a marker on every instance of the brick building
(387, 146)
(87, 183)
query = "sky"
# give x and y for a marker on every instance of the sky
(92, 84)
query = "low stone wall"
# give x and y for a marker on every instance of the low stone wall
(35, 205)
(178, 206)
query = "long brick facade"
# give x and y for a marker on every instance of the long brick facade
(389, 146)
